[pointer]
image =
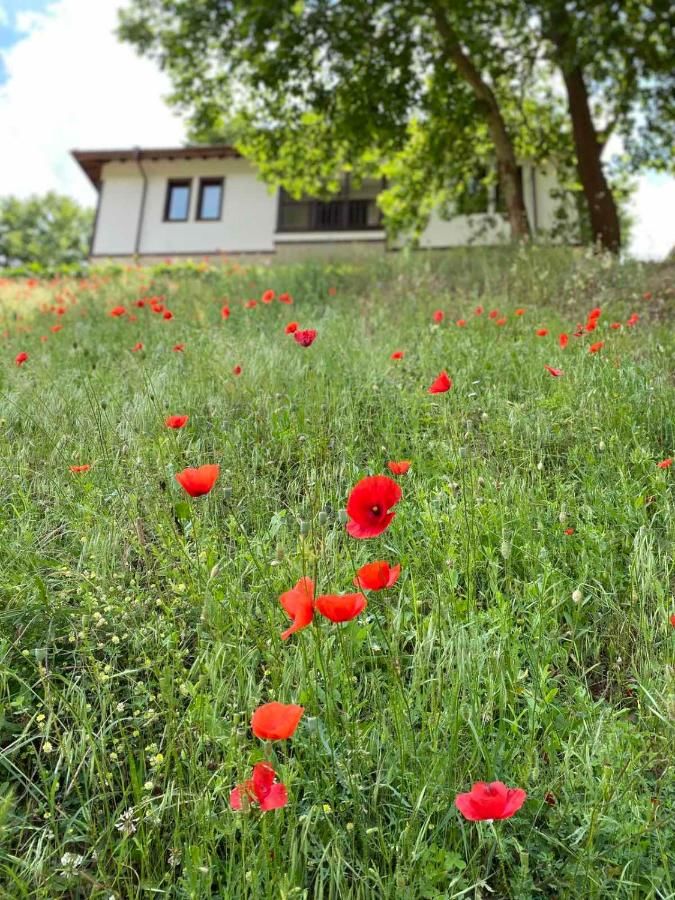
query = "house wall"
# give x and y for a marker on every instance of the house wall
(247, 223)
(249, 217)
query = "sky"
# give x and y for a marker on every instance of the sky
(66, 82)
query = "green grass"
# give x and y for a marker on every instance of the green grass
(138, 631)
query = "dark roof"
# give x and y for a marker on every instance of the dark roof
(92, 161)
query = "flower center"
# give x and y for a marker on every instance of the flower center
(375, 509)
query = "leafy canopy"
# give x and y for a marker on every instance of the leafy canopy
(47, 231)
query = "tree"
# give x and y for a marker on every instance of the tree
(48, 231)
(615, 58)
(375, 86)
(319, 85)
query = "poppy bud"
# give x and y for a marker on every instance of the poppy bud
(505, 549)
(322, 517)
(304, 527)
(576, 596)
(342, 516)
(540, 466)
(601, 446)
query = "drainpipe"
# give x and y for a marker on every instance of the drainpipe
(535, 218)
(141, 212)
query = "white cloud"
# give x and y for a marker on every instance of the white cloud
(72, 84)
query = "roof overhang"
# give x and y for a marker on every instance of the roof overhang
(92, 161)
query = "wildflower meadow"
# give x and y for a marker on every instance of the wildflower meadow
(339, 580)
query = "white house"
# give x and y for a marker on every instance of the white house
(209, 202)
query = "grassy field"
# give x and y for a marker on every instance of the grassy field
(528, 638)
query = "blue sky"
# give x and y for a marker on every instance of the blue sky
(66, 82)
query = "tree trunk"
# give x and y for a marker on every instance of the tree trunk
(507, 167)
(602, 210)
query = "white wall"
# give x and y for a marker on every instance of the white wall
(249, 215)
(117, 219)
(247, 223)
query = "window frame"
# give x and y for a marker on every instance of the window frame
(316, 207)
(210, 181)
(174, 183)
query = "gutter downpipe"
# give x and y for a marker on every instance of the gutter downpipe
(141, 212)
(535, 217)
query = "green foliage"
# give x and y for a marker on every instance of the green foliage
(43, 234)
(138, 629)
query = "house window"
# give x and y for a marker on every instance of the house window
(475, 197)
(210, 206)
(177, 206)
(353, 209)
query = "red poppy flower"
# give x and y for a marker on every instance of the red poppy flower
(262, 789)
(493, 313)
(594, 313)
(276, 721)
(442, 384)
(167, 314)
(198, 482)
(397, 354)
(268, 296)
(291, 328)
(552, 371)
(399, 468)
(237, 370)
(299, 604)
(369, 506)
(178, 348)
(569, 531)
(460, 323)
(541, 332)
(598, 345)
(140, 304)
(305, 338)
(478, 311)
(157, 307)
(285, 298)
(340, 607)
(490, 801)
(591, 326)
(634, 319)
(665, 464)
(438, 316)
(83, 468)
(376, 576)
(56, 328)
(563, 340)
(520, 312)
(225, 312)
(44, 338)
(137, 347)
(672, 620)
(615, 326)
(501, 321)
(21, 358)
(176, 421)
(251, 304)
(117, 311)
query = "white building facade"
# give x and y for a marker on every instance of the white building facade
(198, 202)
